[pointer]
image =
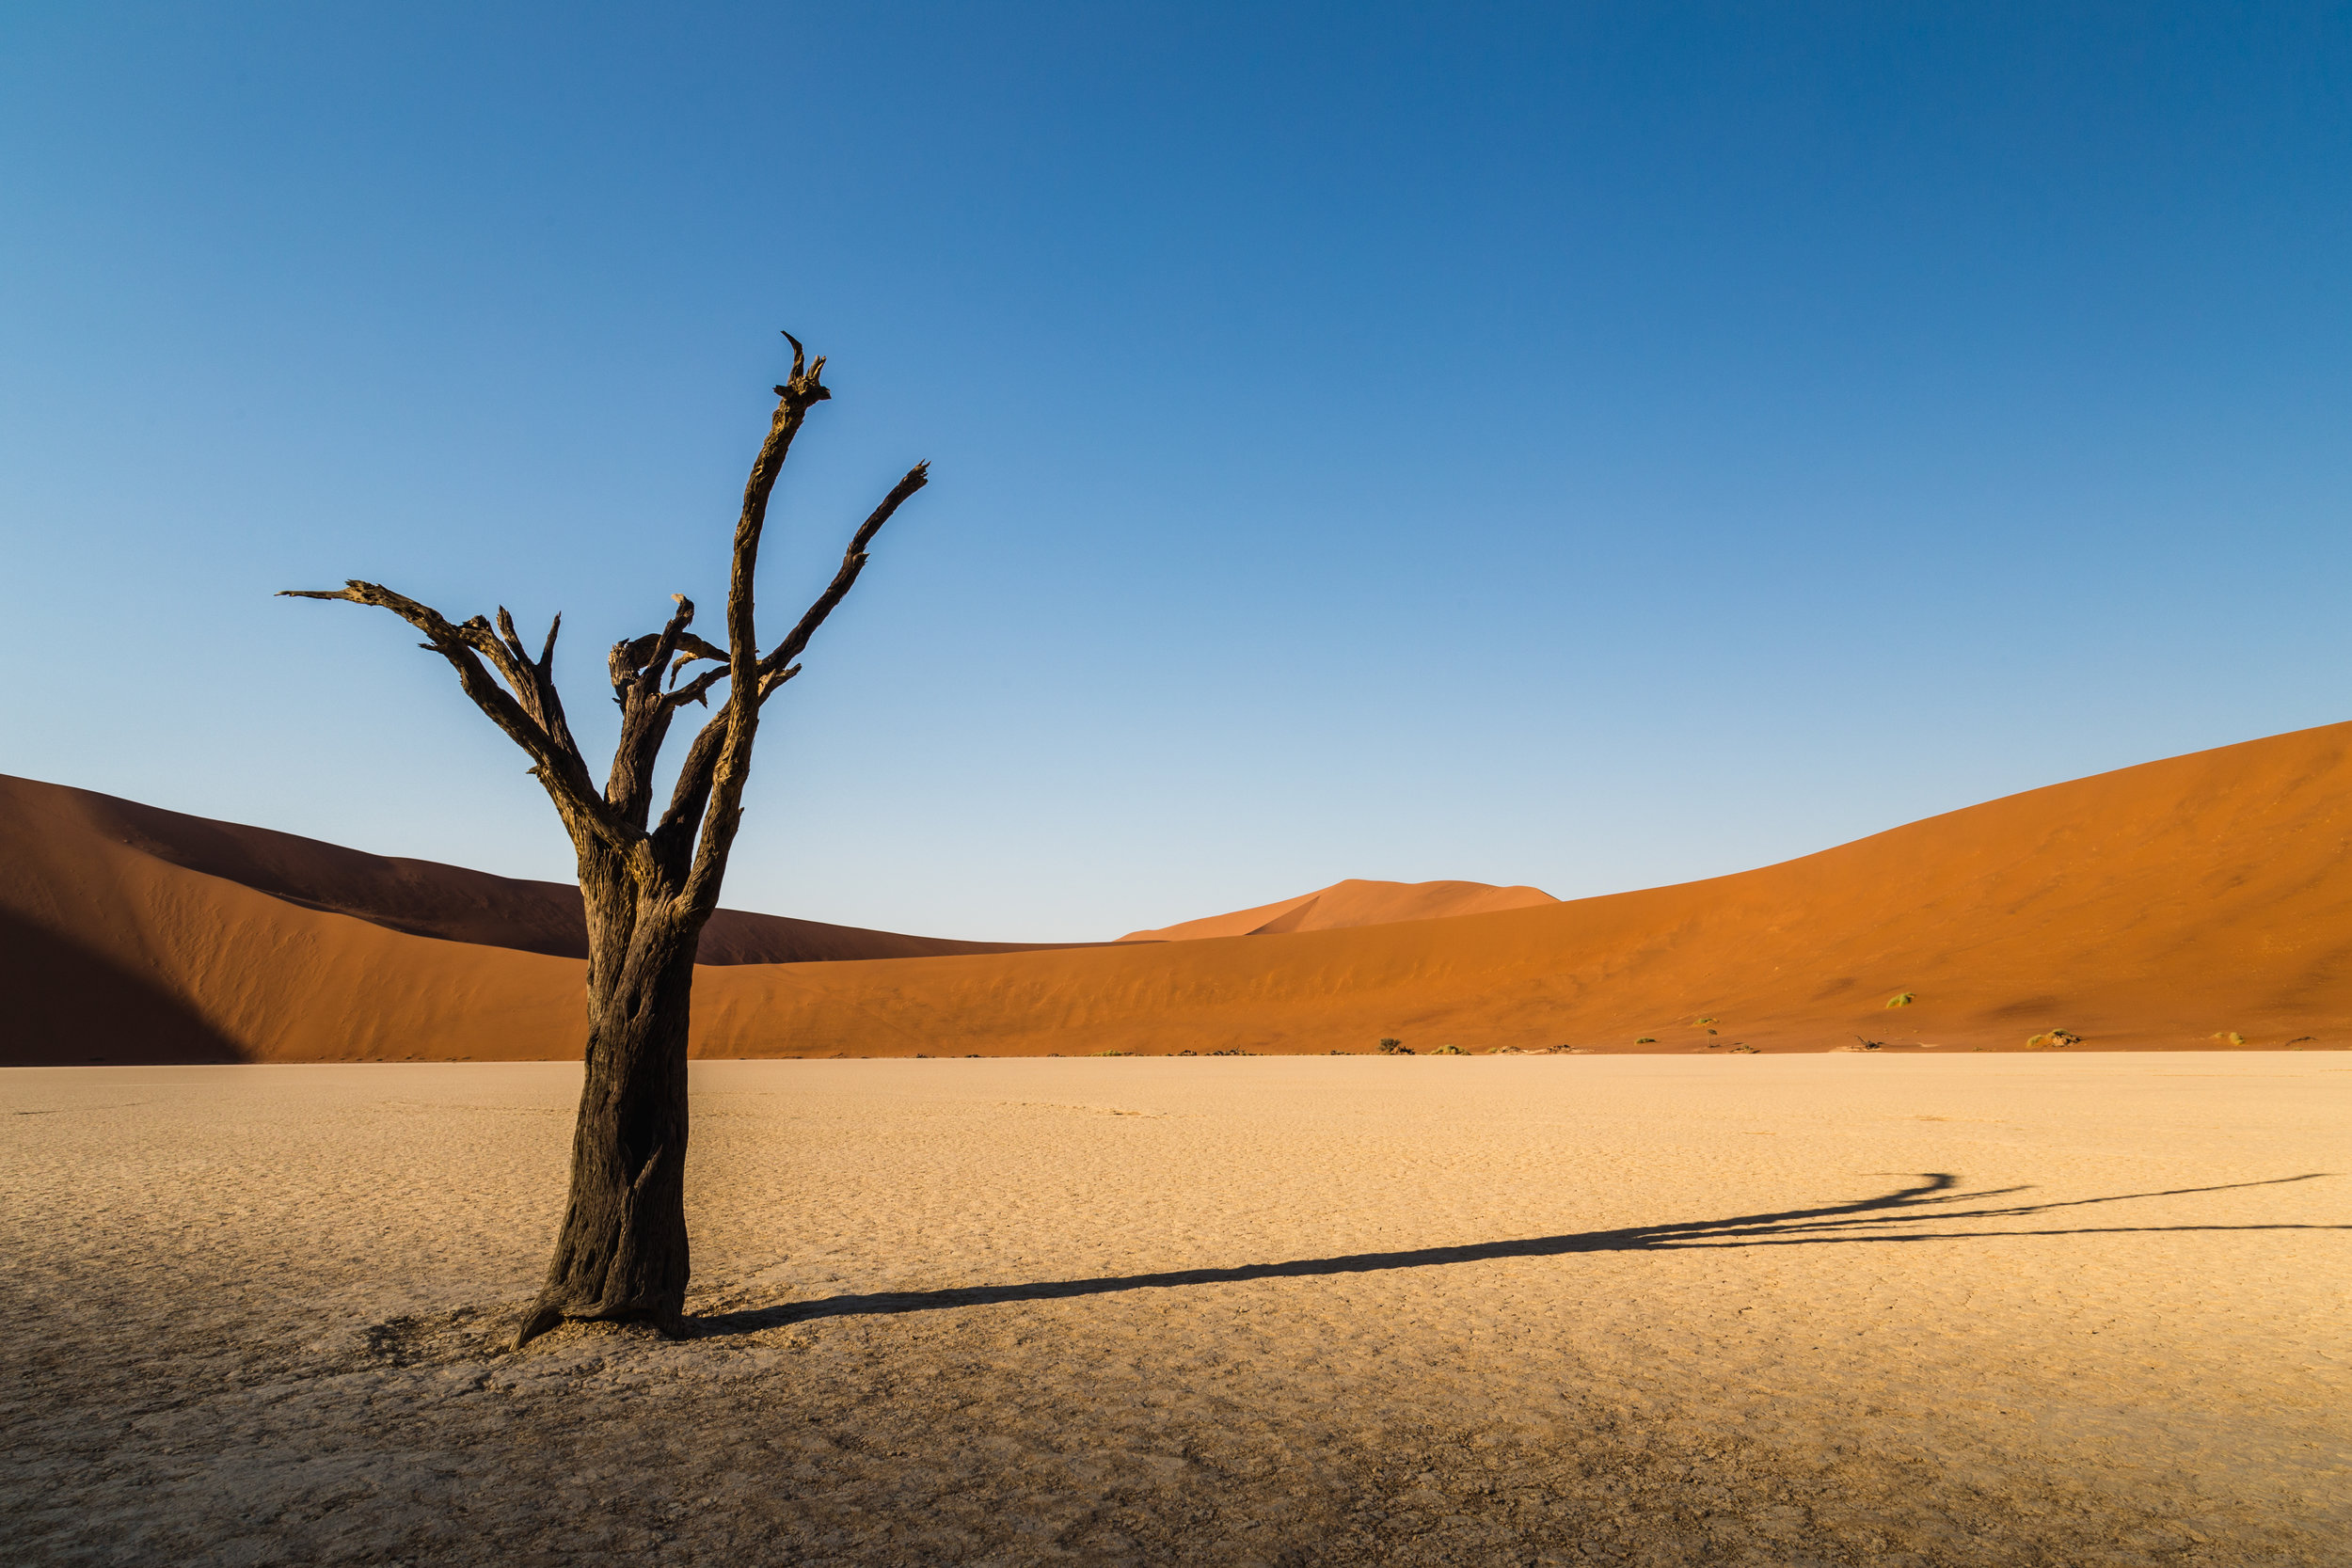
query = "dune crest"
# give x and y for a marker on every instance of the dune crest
(1351, 903)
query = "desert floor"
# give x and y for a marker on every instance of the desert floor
(1839, 1310)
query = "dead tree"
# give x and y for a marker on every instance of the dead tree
(649, 885)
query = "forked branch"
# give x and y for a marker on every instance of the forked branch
(556, 761)
(706, 807)
(695, 779)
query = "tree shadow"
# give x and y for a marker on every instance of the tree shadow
(1870, 1220)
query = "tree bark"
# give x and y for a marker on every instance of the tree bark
(621, 1253)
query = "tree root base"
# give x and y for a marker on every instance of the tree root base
(544, 1316)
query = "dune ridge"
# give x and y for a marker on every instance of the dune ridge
(2156, 906)
(1351, 903)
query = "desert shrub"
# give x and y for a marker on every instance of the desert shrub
(2052, 1040)
(1871, 1045)
(1447, 1050)
(1389, 1047)
(1902, 999)
(2229, 1036)
(1647, 1039)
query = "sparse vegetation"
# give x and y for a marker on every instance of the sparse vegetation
(1902, 999)
(1647, 1039)
(1390, 1046)
(1109, 1052)
(2052, 1040)
(1871, 1045)
(2229, 1036)
(1447, 1050)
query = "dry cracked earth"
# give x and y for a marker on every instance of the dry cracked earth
(1632, 1311)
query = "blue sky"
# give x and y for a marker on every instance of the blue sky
(1596, 446)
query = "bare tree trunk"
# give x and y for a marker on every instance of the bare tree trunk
(621, 1253)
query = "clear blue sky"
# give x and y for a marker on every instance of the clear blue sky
(1591, 445)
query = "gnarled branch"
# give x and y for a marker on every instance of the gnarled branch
(706, 806)
(557, 763)
(692, 793)
(852, 563)
(802, 390)
(638, 667)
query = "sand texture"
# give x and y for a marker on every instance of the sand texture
(1351, 903)
(1854, 1309)
(2152, 908)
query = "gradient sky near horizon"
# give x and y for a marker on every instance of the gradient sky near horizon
(1587, 445)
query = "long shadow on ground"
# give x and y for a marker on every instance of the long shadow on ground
(1873, 1219)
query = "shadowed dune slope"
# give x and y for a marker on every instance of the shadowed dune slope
(140, 958)
(1353, 903)
(2148, 908)
(130, 933)
(426, 898)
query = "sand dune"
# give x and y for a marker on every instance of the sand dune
(132, 933)
(1353, 903)
(2154, 906)
(426, 898)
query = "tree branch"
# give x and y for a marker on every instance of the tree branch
(852, 563)
(692, 792)
(558, 765)
(533, 683)
(638, 667)
(730, 767)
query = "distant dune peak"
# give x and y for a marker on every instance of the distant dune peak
(1351, 903)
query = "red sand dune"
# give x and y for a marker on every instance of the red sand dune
(1353, 903)
(2152, 907)
(132, 933)
(424, 898)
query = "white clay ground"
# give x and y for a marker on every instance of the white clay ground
(1525, 1310)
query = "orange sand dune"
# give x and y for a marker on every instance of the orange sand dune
(2154, 906)
(1353, 903)
(424, 898)
(2150, 908)
(132, 933)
